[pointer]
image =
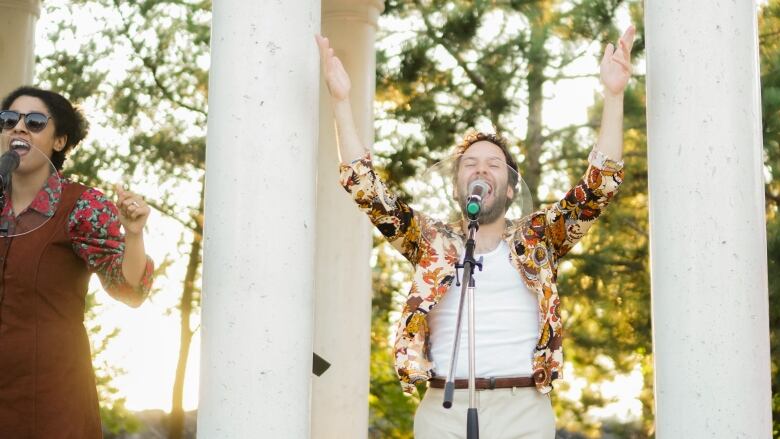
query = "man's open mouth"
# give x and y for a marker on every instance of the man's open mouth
(489, 191)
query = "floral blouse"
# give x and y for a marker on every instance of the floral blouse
(536, 242)
(94, 230)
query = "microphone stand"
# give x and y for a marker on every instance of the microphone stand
(467, 291)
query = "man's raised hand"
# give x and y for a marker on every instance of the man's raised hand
(336, 77)
(616, 63)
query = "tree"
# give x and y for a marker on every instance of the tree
(116, 418)
(769, 49)
(156, 102)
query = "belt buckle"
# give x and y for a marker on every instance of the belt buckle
(492, 383)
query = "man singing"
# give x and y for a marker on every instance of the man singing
(518, 323)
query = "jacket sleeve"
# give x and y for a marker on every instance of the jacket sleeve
(569, 219)
(394, 219)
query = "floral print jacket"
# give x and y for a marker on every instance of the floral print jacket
(537, 242)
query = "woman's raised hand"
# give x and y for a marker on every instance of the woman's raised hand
(133, 211)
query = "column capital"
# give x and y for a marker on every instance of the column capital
(31, 6)
(366, 11)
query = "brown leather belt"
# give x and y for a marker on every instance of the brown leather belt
(486, 383)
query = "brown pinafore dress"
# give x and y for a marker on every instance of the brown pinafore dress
(47, 385)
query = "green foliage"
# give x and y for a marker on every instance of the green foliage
(773, 253)
(769, 49)
(391, 412)
(155, 100)
(607, 285)
(477, 64)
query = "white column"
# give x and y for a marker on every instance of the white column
(258, 280)
(17, 42)
(343, 311)
(708, 236)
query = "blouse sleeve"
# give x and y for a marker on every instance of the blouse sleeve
(95, 234)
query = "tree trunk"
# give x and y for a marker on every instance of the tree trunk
(176, 421)
(537, 62)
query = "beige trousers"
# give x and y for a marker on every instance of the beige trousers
(520, 413)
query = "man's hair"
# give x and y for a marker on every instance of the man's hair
(68, 120)
(472, 137)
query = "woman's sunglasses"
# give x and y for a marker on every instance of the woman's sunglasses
(35, 122)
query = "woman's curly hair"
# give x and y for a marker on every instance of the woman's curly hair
(68, 120)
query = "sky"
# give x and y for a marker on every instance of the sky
(147, 345)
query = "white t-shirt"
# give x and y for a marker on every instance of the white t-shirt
(506, 322)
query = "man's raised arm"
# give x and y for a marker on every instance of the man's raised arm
(339, 85)
(615, 73)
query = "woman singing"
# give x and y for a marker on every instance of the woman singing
(54, 234)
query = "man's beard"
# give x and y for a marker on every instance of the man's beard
(490, 213)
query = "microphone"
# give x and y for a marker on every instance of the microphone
(9, 161)
(477, 190)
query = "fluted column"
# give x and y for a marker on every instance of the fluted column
(708, 235)
(258, 279)
(17, 42)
